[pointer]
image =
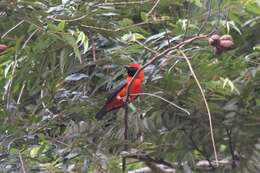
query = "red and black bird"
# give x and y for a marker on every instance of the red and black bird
(117, 98)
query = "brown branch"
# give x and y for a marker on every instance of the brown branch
(231, 148)
(22, 163)
(201, 152)
(146, 158)
(93, 48)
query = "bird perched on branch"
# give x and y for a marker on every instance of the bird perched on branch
(118, 96)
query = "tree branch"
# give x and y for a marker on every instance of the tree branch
(22, 163)
(231, 148)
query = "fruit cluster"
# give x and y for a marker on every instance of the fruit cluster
(221, 43)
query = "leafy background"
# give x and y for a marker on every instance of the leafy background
(63, 57)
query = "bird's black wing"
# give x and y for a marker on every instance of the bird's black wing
(114, 92)
(112, 95)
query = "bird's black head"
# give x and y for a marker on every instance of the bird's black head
(131, 70)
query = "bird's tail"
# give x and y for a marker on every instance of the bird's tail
(101, 113)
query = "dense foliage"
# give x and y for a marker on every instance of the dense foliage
(64, 57)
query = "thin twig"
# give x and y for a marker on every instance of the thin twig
(21, 93)
(29, 38)
(155, 5)
(43, 104)
(159, 97)
(206, 104)
(12, 142)
(22, 163)
(93, 48)
(200, 151)
(231, 148)
(125, 3)
(146, 158)
(175, 63)
(9, 87)
(69, 20)
(147, 48)
(125, 137)
(12, 29)
(115, 30)
(166, 35)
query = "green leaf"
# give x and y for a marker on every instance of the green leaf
(62, 60)
(144, 16)
(231, 24)
(253, 7)
(137, 36)
(81, 38)
(85, 45)
(197, 3)
(183, 23)
(61, 25)
(35, 151)
(126, 22)
(256, 48)
(72, 42)
(132, 37)
(54, 28)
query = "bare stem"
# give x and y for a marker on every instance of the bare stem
(206, 104)
(12, 29)
(159, 97)
(155, 5)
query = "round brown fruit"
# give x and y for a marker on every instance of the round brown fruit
(226, 44)
(226, 37)
(214, 40)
